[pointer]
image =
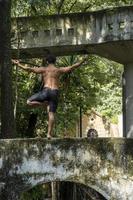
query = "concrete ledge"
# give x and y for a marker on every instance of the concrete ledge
(104, 164)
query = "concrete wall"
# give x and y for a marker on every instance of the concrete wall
(102, 164)
(101, 32)
(103, 127)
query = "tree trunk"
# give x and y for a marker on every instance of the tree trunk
(31, 125)
(7, 115)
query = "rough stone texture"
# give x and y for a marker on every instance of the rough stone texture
(105, 165)
(108, 33)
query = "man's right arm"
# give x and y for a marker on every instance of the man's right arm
(36, 70)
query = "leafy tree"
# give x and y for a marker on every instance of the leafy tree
(39, 192)
(39, 7)
(110, 91)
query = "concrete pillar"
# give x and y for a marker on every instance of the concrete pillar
(128, 101)
(54, 190)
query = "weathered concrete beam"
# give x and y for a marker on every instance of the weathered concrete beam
(108, 33)
(105, 165)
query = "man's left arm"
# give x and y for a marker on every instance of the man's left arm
(74, 66)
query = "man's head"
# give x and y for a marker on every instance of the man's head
(51, 59)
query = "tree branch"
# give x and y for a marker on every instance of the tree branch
(60, 6)
(86, 8)
(72, 6)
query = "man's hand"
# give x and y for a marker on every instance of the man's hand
(86, 57)
(16, 62)
(83, 59)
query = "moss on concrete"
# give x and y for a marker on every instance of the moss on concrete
(97, 162)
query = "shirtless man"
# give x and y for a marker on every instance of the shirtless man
(50, 92)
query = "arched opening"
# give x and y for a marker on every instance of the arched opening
(61, 191)
(92, 133)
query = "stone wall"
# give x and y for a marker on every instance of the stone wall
(102, 164)
(102, 125)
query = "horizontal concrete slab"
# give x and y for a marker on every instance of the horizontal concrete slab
(108, 33)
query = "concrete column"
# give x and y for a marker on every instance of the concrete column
(128, 101)
(54, 190)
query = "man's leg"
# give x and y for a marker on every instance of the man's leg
(38, 99)
(36, 103)
(51, 120)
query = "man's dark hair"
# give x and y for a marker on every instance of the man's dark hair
(51, 59)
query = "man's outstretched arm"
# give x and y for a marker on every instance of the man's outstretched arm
(74, 66)
(36, 70)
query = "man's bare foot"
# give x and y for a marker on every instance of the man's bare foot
(49, 136)
(39, 136)
(66, 136)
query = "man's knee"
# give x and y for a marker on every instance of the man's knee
(29, 102)
(51, 116)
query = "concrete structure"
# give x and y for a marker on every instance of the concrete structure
(108, 33)
(99, 123)
(106, 165)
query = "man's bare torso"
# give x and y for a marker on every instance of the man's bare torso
(51, 77)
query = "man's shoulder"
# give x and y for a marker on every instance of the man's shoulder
(43, 68)
(57, 68)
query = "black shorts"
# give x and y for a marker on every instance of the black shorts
(49, 95)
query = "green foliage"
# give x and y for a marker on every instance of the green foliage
(29, 7)
(39, 7)
(97, 85)
(110, 93)
(39, 192)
